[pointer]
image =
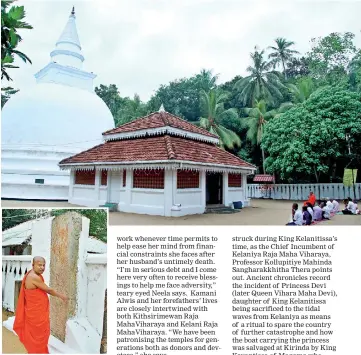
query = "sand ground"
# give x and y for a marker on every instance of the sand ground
(11, 343)
(262, 212)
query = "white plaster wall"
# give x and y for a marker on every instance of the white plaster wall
(115, 186)
(188, 197)
(235, 194)
(97, 284)
(144, 201)
(103, 194)
(41, 243)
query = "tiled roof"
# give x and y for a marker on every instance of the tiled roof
(263, 178)
(160, 148)
(157, 120)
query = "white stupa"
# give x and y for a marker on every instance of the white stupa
(59, 116)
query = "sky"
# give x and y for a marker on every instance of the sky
(141, 44)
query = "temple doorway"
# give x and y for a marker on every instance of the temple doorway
(214, 188)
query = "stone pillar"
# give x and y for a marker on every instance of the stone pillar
(67, 269)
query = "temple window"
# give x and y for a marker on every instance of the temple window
(187, 179)
(148, 179)
(104, 178)
(234, 180)
(85, 177)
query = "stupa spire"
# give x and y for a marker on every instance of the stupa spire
(68, 49)
(161, 109)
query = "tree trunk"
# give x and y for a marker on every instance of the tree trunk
(317, 177)
(284, 69)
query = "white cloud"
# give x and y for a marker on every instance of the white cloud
(141, 44)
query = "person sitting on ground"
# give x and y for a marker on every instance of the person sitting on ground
(297, 218)
(307, 218)
(329, 205)
(310, 209)
(317, 212)
(311, 199)
(325, 211)
(350, 208)
(335, 206)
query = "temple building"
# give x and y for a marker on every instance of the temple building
(158, 165)
(58, 116)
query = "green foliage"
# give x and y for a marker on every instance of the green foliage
(123, 109)
(329, 57)
(6, 94)
(182, 97)
(13, 217)
(213, 113)
(11, 22)
(297, 68)
(98, 221)
(98, 218)
(262, 83)
(282, 53)
(309, 139)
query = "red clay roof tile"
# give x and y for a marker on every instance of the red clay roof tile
(161, 148)
(157, 120)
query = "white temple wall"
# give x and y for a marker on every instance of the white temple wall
(235, 194)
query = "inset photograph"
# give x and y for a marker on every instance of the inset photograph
(54, 281)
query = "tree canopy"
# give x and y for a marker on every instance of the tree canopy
(98, 218)
(309, 139)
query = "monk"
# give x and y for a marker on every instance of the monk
(311, 199)
(32, 323)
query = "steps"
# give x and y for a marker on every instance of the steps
(113, 207)
(219, 209)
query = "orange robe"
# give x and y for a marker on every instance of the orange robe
(32, 322)
(312, 199)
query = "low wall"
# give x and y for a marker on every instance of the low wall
(14, 268)
(300, 192)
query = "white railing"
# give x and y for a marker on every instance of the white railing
(14, 267)
(300, 192)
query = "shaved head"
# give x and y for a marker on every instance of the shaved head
(38, 258)
(38, 265)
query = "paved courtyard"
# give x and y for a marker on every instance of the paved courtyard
(262, 212)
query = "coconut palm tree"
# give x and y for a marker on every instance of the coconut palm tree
(11, 22)
(213, 113)
(302, 90)
(258, 116)
(262, 83)
(282, 53)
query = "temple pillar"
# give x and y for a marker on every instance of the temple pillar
(225, 189)
(168, 192)
(68, 273)
(202, 185)
(128, 187)
(71, 184)
(98, 176)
